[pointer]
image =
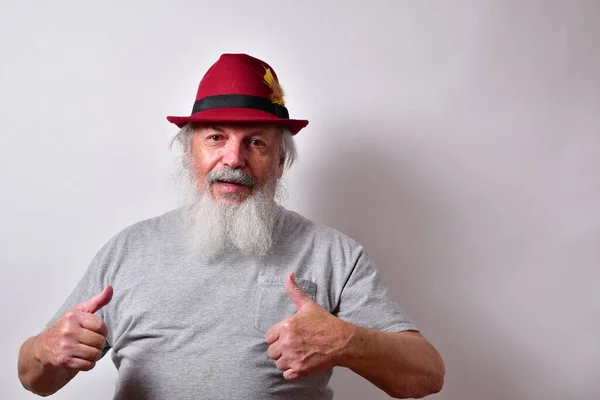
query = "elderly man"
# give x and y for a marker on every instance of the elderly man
(232, 296)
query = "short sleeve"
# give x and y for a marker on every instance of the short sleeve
(90, 285)
(366, 301)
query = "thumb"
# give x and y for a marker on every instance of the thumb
(97, 302)
(295, 292)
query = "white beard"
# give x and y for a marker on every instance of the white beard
(216, 229)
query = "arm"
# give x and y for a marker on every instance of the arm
(403, 364)
(73, 343)
(38, 377)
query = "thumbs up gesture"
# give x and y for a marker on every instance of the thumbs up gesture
(309, 342)
(75, 341)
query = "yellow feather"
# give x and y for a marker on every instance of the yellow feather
(277, 94)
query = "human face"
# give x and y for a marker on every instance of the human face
(254, 150)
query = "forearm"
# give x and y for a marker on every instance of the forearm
(37, 377)
(404, 365)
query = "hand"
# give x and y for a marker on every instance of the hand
(309, 342)
(76, 340)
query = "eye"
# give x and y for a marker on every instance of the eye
(257, 143)
(215, 138)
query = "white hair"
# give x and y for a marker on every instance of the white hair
(215, 229)
(288, 146)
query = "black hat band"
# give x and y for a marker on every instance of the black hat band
(240, 101)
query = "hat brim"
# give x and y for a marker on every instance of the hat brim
(240, 115)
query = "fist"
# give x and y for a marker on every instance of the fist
(309, 342)
(75, 341)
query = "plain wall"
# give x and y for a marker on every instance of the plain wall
(458, 141)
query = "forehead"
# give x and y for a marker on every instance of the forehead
(238, 129)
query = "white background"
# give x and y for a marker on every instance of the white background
(458, 141)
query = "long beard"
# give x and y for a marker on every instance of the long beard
(247, 228)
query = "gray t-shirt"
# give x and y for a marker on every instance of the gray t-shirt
(181, 328)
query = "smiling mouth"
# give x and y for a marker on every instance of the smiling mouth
(229, 182)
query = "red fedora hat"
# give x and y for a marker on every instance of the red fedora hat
(240, 88)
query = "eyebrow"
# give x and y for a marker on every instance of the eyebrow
(216, 128)
(260, 132)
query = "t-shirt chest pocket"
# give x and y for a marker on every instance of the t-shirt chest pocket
(273, 304)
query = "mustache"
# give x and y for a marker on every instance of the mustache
(232, 176)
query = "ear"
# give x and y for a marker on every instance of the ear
(189, 143)
(187, 151)
(281, 165)
(282, 160)
(188, 146)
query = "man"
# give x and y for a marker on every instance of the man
(233, 296)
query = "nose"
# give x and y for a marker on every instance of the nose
(233, 154)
